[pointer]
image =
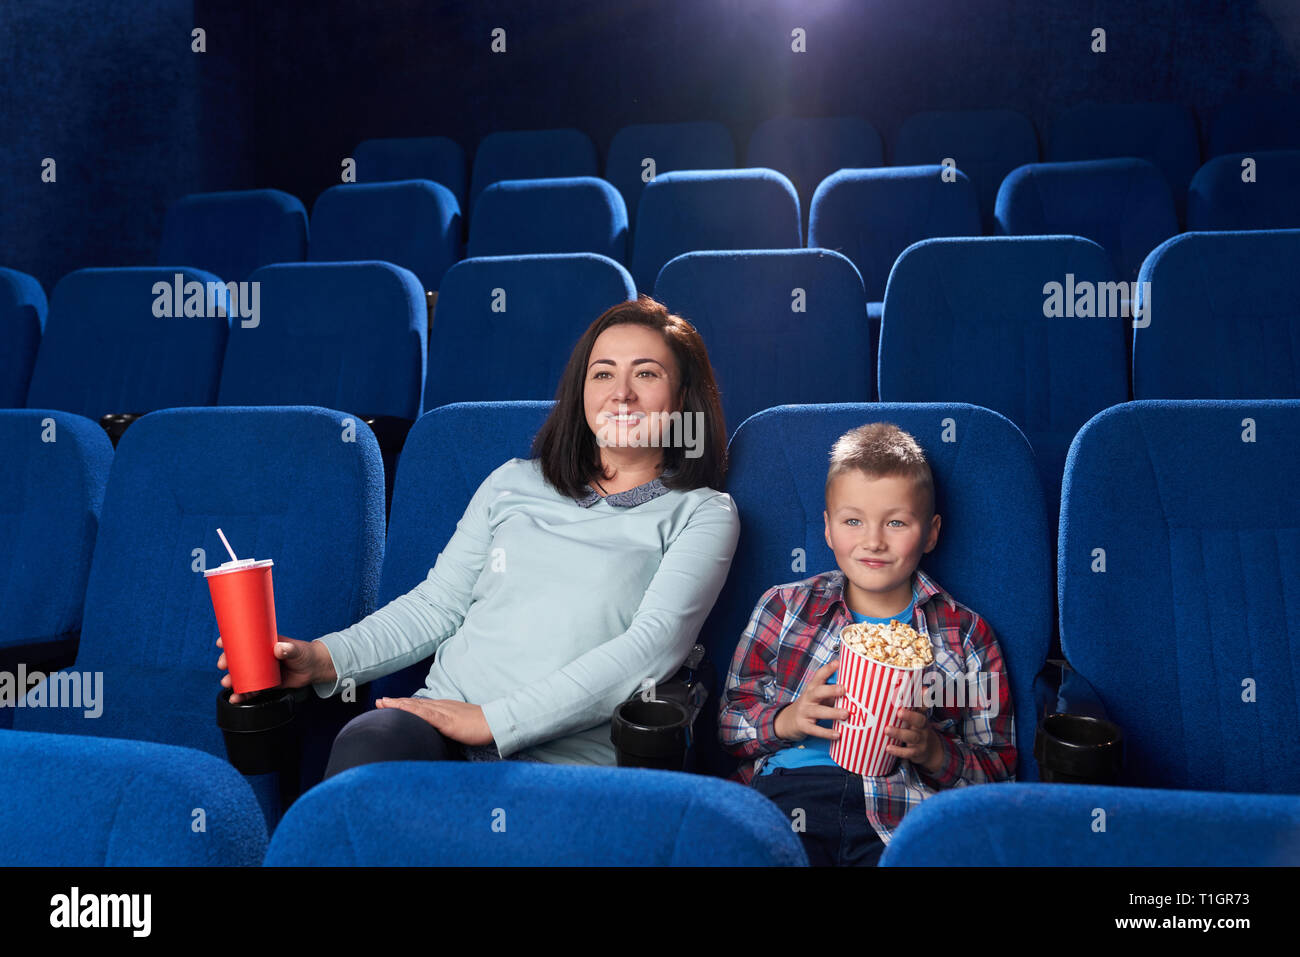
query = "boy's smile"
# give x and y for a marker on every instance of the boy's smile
(878, 531)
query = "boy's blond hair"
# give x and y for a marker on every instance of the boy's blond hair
(881, 449)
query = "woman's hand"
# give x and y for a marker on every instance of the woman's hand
(301, 663)
(455, 719)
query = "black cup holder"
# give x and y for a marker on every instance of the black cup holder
(1078, 749)
(262, 733)
(650, 734)
(116, 423)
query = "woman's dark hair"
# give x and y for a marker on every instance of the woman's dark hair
(565, 444)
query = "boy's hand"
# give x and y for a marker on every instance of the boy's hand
(919, 742)
(798, 720)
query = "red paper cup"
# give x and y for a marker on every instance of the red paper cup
(245, 606)
(882, 689)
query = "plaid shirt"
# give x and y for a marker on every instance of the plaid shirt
(795, 629)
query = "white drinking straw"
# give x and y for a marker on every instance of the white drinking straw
(227, 544)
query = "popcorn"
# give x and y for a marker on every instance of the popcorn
(894, 644)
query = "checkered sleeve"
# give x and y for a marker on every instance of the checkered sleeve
(978, 740)
(751, 697)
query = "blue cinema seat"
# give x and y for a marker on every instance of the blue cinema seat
(1074, 825)
(1163, 133)
(672, 147)
(448, 454)
(1178, 552)
(106, 349)
(506, 326)
(965, 323)
(416, 157)
(1224, 318)
(750, 307)
(412, 223)
(807, 149)
(73, 801)
(230, 234)
(1255, 121)
(1124, 205)
(350, 336)
(51, 492)
(346, 335)
(985, 144)
(577, 214)
(872, 215)
(297, 485)
(992, 555)
(22, 320)
(1220, 199)
(531, 154)
(520, 814)
(711, 209)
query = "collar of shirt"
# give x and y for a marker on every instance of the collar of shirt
(924, 588)
(630, 498)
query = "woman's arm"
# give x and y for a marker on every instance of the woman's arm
(412, 626)
(586, 691)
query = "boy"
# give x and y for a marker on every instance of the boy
(780, 698)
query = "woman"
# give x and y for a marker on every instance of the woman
(572, 576)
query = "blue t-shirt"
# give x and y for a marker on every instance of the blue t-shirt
(813, 750)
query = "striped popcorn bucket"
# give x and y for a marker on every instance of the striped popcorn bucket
(874, 692)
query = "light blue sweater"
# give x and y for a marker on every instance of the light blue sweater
(548, 613)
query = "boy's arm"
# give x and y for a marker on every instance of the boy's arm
(979, 744)
(752, 697)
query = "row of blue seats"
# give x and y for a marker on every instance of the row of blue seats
(1176, 542)
(970, 320)
(1176, 548)
(987, 144)
(71, 801)
(869, 215)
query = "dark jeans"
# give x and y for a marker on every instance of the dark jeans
(836, 832)
(390, 734)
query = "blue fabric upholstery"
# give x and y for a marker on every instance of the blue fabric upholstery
(964, 323)
(72, 801)
(105, 351)
(448, 454)
(672, 146)
(1059, 825)
(578, 214)
(743, 304)
(505, 326)
(986, 145)
(232, 233)
(412, 223)
(1255, 121)
(291, 484)
(1219, 199)
(993, 554)
(520, 814)
(531, 154)
(712, 209)
(1163, 133)
(348, 336)
(808, 149)
(1122, 204)
(1185, 634)
(872, 215)
(417, 157)
(22, 320)
(51, 491)
(1224, 318)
